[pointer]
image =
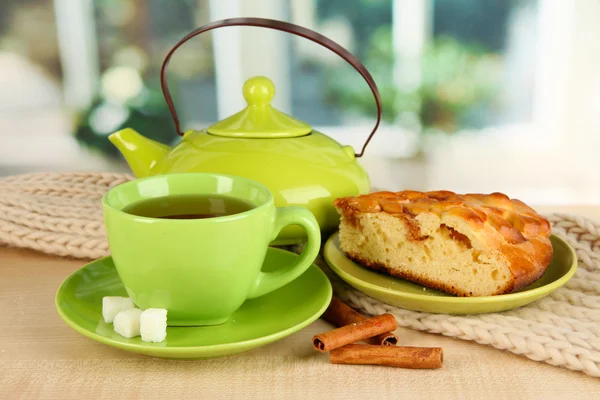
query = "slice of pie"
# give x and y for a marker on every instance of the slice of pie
(466, 245)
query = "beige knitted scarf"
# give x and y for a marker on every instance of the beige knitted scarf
(60, 214)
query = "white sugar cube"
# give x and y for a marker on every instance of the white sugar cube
(127, 323)
(112, 305)
(153, 325)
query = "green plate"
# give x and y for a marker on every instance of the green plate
(256, 323)
(412, 296)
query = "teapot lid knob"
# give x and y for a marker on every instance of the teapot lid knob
(259, 119)
(258, 91)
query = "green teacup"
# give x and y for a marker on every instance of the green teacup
(201, 270)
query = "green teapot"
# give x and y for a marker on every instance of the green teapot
(301, 166)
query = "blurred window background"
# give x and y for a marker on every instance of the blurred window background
(478, 95)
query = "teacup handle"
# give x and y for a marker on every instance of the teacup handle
(270, 281)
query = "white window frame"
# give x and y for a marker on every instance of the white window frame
(553, 111)
(552, 158)
(564, 36)
(78, 46)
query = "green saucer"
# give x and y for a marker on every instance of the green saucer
(256, 323)
(412, 296)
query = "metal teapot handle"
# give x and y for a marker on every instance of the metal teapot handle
(280, 26)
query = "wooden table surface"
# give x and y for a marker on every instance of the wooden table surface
(41, 357)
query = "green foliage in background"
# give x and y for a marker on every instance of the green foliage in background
(146, 112)
(456, 79)
(133, 39)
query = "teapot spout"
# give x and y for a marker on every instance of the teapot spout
(140, 153)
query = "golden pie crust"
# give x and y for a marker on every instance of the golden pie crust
(492, 225)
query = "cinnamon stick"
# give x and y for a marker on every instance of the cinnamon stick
(393, 356)
(354, 332)
(340, 314)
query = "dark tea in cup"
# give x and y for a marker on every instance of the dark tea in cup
(189, 207)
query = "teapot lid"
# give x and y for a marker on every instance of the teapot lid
(259, 119)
